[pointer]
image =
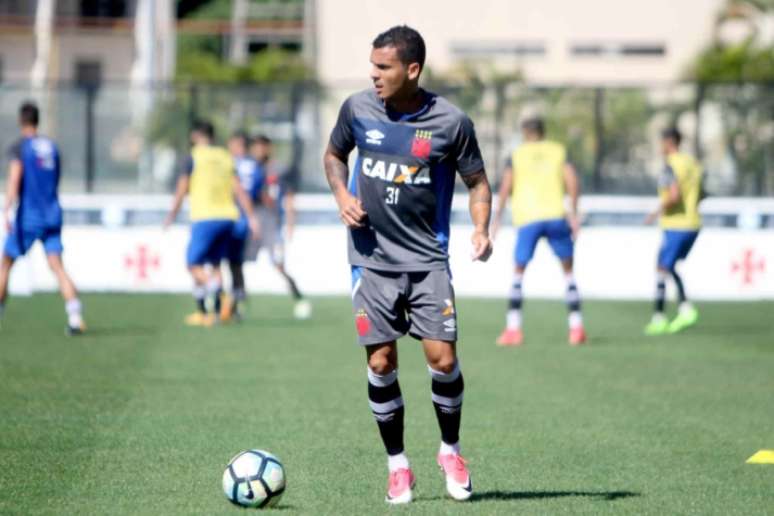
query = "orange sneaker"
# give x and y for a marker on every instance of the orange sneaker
(455, 469)
(399, 486)
(510, 337)
(577, 336)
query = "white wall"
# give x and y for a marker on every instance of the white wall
(611, 263)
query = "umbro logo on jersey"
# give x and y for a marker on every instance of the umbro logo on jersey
(375, 137)
(395, 172)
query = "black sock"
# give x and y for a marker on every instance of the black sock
(447, 389)
(680, 287)
(200, 294)
(292, 286)
(658, 305)
(216, 300)
(572, 297)
(515, 298)
(387, 406)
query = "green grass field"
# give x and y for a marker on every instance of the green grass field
(141, 415)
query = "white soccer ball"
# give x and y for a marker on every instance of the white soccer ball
(302, 310)
(254, 478)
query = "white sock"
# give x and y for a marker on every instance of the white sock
(685, 306)
(73, 310)
(199, 292)
(396, 462)
(213, 286)
(449, 449)
(658, 317)
(575, 320)
(513, 319)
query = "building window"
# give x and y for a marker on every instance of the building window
(88, 73)
(503, 48)
(618, 50)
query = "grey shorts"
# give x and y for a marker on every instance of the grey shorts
(270, 238)
(389, 305)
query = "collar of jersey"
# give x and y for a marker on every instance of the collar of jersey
(427, 100)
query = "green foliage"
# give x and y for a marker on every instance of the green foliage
(740, 63)
(269, 66)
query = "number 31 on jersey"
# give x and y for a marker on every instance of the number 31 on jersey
(393, 192)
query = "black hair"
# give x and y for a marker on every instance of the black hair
(204, 127)
(242, 136)
(29, 114)
(407, 41)
(534, 125)
(672, 133)
(261, 138)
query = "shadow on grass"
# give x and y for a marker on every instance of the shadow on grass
(538, 495)
(118, 331)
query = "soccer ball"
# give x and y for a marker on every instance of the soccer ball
(302, 310)
(254, 478)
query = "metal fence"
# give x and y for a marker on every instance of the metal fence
(118, 139)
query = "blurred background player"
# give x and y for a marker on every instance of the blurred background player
(33, 181)
(210, 180)
(536, 178)
(251, 176)
(277, 211)
(679, 192)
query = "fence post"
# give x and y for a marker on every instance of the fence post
(599, 138)
(90, 91)
(701, 90)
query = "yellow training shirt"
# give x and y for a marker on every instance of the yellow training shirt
(538, 182)
(211, 189)
(684, 169)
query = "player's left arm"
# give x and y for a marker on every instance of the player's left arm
(480, 206)
(181, 191)
(572, 187)
(15, 171)
(673, 198)
(247, 206)
(289, 203)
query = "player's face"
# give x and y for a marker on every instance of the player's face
(261, 151)
(667, 146)
(236, 146)
(389, 75)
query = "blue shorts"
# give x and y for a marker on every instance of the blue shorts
(238, 241)
(558, 233)
(675, 246)
(20, 239)
(209, 241)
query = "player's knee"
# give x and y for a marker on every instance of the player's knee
(381, 364)
(443, 363)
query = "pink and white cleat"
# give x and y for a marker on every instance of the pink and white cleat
(577, 336)
(510, 337)
(399, 486)
(458, 483)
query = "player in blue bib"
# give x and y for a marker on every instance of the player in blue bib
(32, 211)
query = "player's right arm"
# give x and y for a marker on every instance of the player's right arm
(341, 143)
(15, 171)
(506, 185)
(183, 182)
(572, 187)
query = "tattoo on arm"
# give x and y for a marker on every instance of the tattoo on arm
(336, 171)
(478, 186)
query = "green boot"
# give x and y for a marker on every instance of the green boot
(687, 316)
(658, 325)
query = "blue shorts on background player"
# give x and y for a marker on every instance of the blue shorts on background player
(33, 181)
(557, 232)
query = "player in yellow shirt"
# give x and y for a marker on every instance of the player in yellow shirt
(212, 184)
(679, 192)
(537, 179)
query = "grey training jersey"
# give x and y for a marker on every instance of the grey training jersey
(404, 176)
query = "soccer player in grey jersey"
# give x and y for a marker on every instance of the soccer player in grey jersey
(396, 204)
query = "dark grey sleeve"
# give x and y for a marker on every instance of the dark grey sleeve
(188, 165)
(466, 152)
(667, 177)
(342, 138)
(508, 162)
(14, 151)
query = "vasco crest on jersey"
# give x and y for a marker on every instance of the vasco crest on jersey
(422, 144)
